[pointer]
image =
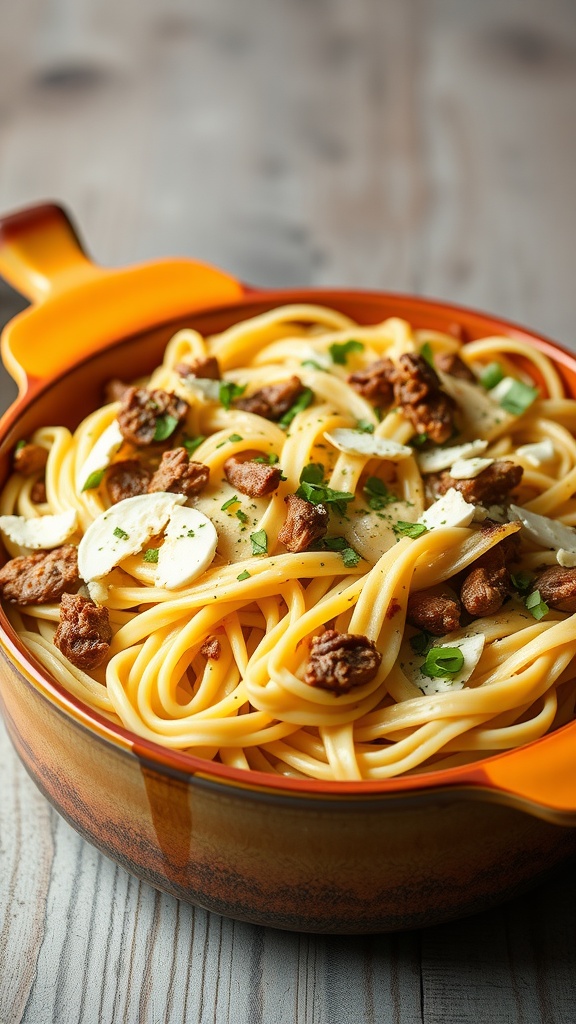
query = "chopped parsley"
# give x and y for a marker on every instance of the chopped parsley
(243, 576)
(231, 501)
(233, 437)
(269, 460)
(120, 533)
(365, 426)
(518, 398)
(536, 606)
(312, 488)
(313, 365)
(165, 427)
(340, 351)
(94, 480)
(350, 557)
(377, 493)
(427, 354)
(409, 529)
(241, 516)
(305, 398)
(151, 555)
(229, 392)
(522, 581)
(334, 543)
(491, 376)
(420, 642)
(443, 661)
(20, 444)
(259, 542)
(192, 443)
(418, 441)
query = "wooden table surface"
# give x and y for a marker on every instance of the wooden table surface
(412, 145)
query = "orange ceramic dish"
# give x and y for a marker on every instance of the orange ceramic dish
(291, 853)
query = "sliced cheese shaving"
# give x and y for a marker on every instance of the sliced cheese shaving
(549, 533)
(471, 648)
(468, 469)
(205, 386)
(101, 454)
(189, 547)
(357, 442)
(537, 453)
(450, 510)
(443, 458)
(123, 530)
(40, 532)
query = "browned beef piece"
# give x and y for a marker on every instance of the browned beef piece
(127, 479)
(40, 578)
(252, 478)
(211, 648)
(208, 368)
(84, 634)
(436, 612)
(304, 523)
(492, 486)
(114, 389)
(484, 590)
(274, 400)
(418, 393)
(452, 364)
(38, 492)
(375, 382)
(340, 661)
(141, 409)
(179, 474)
(557, 587)
(30, 458)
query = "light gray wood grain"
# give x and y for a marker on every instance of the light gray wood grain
(416, 145)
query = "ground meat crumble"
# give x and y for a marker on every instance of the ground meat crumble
(252, 478)
(40, 578)
(418, 393)
(341, 661)
(304, 523)
(274, 400)
(141, 409)
(84, 633)
(179, 474)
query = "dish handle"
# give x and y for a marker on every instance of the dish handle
(78, 308)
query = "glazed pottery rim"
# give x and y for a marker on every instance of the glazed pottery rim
(181, 763)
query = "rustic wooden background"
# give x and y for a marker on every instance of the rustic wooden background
(417, 145)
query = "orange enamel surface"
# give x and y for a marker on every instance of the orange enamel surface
(78, 308)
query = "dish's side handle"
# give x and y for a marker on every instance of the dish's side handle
(79, 308)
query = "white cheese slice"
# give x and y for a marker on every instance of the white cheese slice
(567, 559)
(101, 454)
(538, 453)
(358, 442)
(471, 648)
(322, 359)
(123, 530)
(467, 469)
(203, 385)
(549, 533)
(189, 547)
(501, 389)
(98, 592)
(40, 532)
(450, 510)
(443, 458)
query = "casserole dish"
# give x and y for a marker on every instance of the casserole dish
(286, 852)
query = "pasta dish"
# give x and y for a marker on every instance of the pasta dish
(310, 547)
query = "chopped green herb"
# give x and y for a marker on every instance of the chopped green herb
(151, 555)
(313, 473)
(334, 543)
(20, 444)
(241, 516)
(518, 398)
(190, 533)
(409, 529)
(229, 392)
(443, 661)
(192, 443)
(377, 493)
(259, 542)
(340, 351)
(418, 441)
(491, 376)
(536, 606)
(522, 581)
(350, 557)
(420, 642)
(313, 365)
(365, 426)
(120, 533)
(427, 354)
(305, 399)
(231, 501)
(94, 480)
(165, 426)
(243, 576)
(320, 495)
(270, 460)
(235, 437)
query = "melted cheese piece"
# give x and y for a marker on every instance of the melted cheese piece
(101, 454)
(189, 547)
(40, 532)
(123, 530)
(358, 442)
(450, 510)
